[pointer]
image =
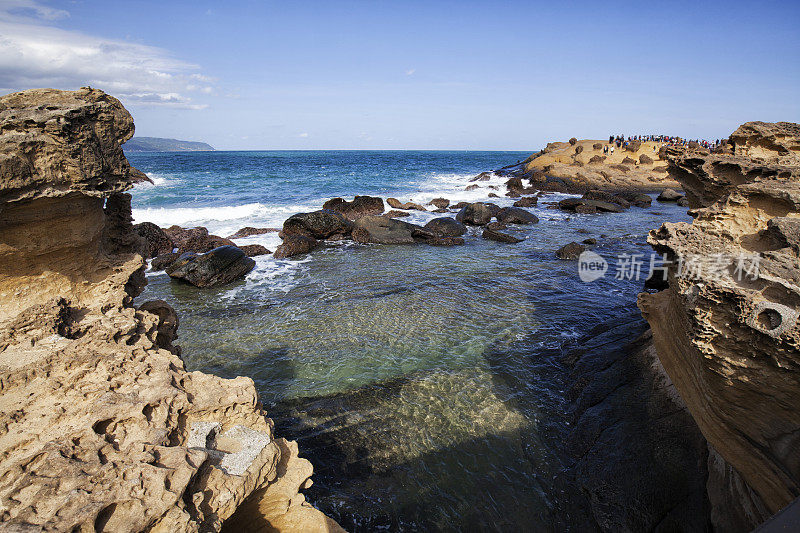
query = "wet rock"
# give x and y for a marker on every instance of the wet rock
(669, 195)
(528, 201)
(359, 207)
(397, 204)
(217, 267)
(253, 250)
(494, 195)
(196, 240)
(589, 241)
(516, 215)
(459, 205)
(317, 224)
(605, 196)
(636, 198)
(439, 240)
(475, 214)
(483, 176)
(585, 210)
(294, 245)
(573, 204)
(396, 214)
(570, 251)
(163, 261)
(471, 187)
(380, 230)
(446, 226)
(683, 202)
(249, 231)
(158, 242)
(496, 226)
(494, 235)
(441, 203)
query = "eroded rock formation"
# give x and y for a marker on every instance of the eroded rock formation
(726, 331)
(103, 428)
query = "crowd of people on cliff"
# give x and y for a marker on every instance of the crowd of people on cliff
(620, 141)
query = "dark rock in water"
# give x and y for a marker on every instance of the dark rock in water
(337, 237)
(585, 210)
(516, 215)
(394, 202)
(471, 187)
(476, 214)
(636, 198)
(196, 240)
(583, 230)
(158, 242)
(380, 230)
(249, 231)
(252, 250)
(637, 454)
(317, 224)
(459, 205)
(683, 202)
(359, 207)
(510, 194)
(669, 195)
(483, 176)
(554, 186)
(493, 235)
(445, 241)
(572, 250)
(514, 183)
(528, 201)
(216, 267)
(589, 241)
(167, 329)
(493, 195)
(573, 204)
(605, 196)
(441, 203)
(569, 204)
(446, 226)
(493, 208)
(496, 226)
(441, 210)
(163, 261)
(295, 245)
(396, 214)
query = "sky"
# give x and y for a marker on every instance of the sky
(429, 74)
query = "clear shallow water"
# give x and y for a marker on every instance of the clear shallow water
(425, 383)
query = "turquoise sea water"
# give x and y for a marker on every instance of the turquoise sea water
(424, 383)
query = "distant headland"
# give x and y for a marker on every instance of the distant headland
(158, 144)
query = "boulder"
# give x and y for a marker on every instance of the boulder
(158, 242)
(645, 159)
(476, 214)
(537, 177)
(446, 226)
(163, 261)
(605, 196)
(459, 205)
(634, 146)
(628, 161)
(669, 195)
(578, 149)
(516, 215)
(441, 203)
(359, 207)
(493, 235)
(496, 226)
(597, 146)
(570, 251)
(471, 187)
(590, 241)
(217, 267)
(396, 214)
(295, 245)
(514, 184)
(317, 224)
(528, 201)
(196, 240)
(683, 202)
(483, 176)
(249, 231)
(252, 250)
(597, 159)
(381, 230)
(586, 210)
(636, 198)
(573, 141)
(493, 195)
(439, 240)
(397, 204)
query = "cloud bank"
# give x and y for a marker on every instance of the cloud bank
(35, 54)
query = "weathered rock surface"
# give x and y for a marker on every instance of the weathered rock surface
(317, 224)
(669, 195)
(158, 242)
(295, 245)
(249, 231)
(381, 230)
(195, 240)
(397, 204)
(476, 214)
(730, 342)
(217, 267)
(528, 201)
(516, 215)
(494, 235)
(359, 207)
(446, 226)
(103, 428)
(570, 251)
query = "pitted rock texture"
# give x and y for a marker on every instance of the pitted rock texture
(730, 340)
(98, 408)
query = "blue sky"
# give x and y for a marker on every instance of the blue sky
(414, 75)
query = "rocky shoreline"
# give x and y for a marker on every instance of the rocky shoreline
(104, 429)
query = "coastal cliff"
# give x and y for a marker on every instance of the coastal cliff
(726, 329)
(103, 427)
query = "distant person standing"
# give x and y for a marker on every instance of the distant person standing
(611, 149)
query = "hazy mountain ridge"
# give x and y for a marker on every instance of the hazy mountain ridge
(159, 144)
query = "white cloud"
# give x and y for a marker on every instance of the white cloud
(410, 71)
(33, 54)
(303, 135)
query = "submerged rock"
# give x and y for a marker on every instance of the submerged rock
(669, 195)
(217, 267)
(493, 235)
(516, 215)
(249, 231)
(441, 203)
(295, 245)
(528, 201)
(570, 251)
(253, 250)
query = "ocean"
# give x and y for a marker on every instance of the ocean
(426, 384)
